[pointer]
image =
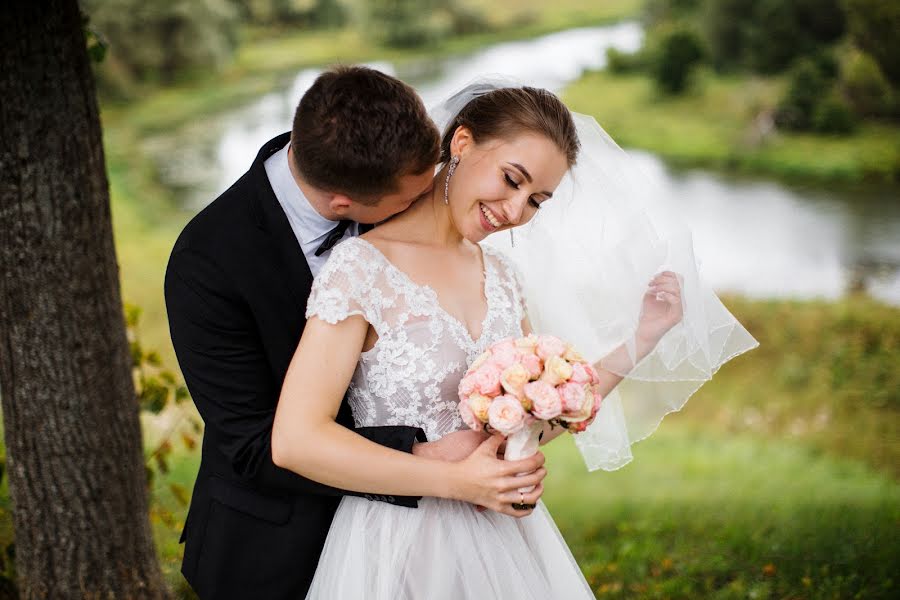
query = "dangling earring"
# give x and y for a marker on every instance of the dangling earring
(512, 238)
(450, 169)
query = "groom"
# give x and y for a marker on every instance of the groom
(362, 149)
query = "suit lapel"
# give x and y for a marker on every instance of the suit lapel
(270, 218)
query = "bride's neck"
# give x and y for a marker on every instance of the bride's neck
(428, 220)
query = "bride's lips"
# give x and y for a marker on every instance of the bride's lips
(486, 216)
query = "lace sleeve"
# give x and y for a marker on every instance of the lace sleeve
(346, 286)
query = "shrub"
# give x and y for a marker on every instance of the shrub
(833, 115)
(875, 27)
(865, 86)
(768, 35)
(680, 50)
(807, 86)
(623, 62)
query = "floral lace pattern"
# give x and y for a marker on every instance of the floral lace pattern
(411, 375)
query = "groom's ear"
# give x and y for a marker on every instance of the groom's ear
(340, 204)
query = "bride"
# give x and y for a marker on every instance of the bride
(397, 314)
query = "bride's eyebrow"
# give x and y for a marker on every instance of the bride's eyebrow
(523, 170)
(527, 175)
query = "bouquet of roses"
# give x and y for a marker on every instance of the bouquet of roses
(519, 384)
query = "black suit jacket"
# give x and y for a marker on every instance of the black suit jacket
(236, 289)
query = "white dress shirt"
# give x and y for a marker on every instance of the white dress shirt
(309, 226)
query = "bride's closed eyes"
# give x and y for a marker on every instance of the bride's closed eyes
(515, 186)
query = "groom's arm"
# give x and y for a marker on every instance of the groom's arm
(229, 376)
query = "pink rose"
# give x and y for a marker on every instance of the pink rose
(549, 346)
(479, 405)
(573, 399)
(579, 426)
(514, 379)
(506, 415)
(581, 374)
(487, 379)
(556, 370)
(504, 354)
(545, 400)
(466, 387)
(533, 365)
(469, 418)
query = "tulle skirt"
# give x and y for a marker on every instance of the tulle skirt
(444, 550)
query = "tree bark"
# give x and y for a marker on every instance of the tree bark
(75, 464)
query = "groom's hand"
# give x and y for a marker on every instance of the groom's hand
(453, 447)
(485, 480)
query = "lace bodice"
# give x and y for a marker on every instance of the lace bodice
(411, 375)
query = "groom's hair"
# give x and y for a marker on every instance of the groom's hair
(357, 131)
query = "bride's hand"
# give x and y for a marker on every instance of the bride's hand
(661, 309)
(453, 447)
(484, 480)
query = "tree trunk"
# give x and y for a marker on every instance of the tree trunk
(75, 464)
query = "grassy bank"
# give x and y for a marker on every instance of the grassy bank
(713, 125)
(779, 479)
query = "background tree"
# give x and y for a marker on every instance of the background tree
(75, 463)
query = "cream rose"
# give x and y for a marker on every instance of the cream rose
(506, 415)
(514, 379)
(545, 400)
(528, 343)
(479, 405)
(556, 370)
(572, 355)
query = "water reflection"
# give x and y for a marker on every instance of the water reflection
(758, 238)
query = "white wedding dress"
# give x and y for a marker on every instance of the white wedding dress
(444, 549)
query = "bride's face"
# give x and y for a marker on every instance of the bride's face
(500, 184)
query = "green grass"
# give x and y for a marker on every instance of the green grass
(712, 126)
(749, 491)
(712, 515)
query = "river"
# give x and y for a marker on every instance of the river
(752, 236)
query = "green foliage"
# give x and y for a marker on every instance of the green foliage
(418, 23)
(157, 41)
(834, 115)
(808, 86)
(624, 62)
(865, 86)
(768, 35)
(157, 389)
(679, 51)
(875, 27)
(711, 126)
(96, 44)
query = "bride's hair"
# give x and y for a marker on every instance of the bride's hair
(506, 112)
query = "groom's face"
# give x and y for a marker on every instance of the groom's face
(410, 188)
